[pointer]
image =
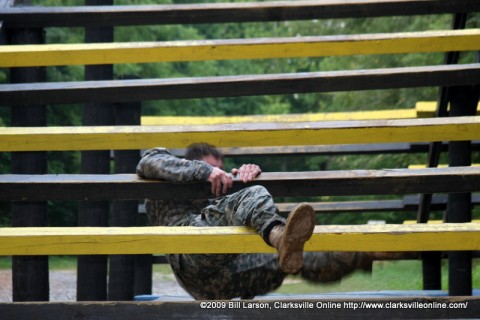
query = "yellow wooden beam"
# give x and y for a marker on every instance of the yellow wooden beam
(423, 166)
(201, 50)
(426, 109)
(433, 221)
(423, 109)
(239, 135)
(306, 117)
(151, 240)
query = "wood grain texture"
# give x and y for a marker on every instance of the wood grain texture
(305, 117)
(266, 48)
(285, 151)
(240, 135)
(408, 203)
(30, 16)
(423, 109)
(280, 184)
(237, 86)
(329, 307)
(150, 240)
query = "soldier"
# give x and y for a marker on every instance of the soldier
(227, 276)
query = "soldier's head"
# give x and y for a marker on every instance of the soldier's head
(205, 152)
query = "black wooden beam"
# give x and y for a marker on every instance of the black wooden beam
(226, 12)
(276, 308)
(286, 151)
(408, 203)
(122, 271)
(432, 277)
(281, 184)
(92, 270)
(459, 22)
(30, 278)
(463, 101)
(234, 86)
(4, 4)
(340, 149)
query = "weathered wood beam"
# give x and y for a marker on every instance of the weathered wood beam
(305, 117)
(227, 12)
(190, 240)
(337, 206)
(92, 271)
(4, 4)
(271, 308)
(30, 277)
(423, 109)
(236, 86)
(342, 307)
(349, 206)
(284, 151)
(266, 48)
(242, 135)
(408, 203)
(426, 109)
(280, 184)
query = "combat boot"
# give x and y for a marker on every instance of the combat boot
(289, 239)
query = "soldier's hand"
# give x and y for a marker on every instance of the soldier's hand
(247, 172)
(220, 180)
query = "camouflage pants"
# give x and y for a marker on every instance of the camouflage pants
(227, 276)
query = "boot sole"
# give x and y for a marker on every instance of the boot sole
(298, 230)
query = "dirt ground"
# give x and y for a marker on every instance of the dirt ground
(63, 285)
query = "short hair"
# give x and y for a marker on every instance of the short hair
(196, 151)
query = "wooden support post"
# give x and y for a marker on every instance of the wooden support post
(121, 280)
(431, 261)
(463, 101)
(3, 31)
(30, 273)
(143, 274)
(92, 270)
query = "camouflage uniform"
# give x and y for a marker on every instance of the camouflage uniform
(227, 276)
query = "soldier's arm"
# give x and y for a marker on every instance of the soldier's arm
(158, 163)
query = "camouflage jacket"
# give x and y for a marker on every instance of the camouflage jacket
(159, 163)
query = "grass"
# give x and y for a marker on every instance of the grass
(54, 263)
(386, 275)
(399, 275)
